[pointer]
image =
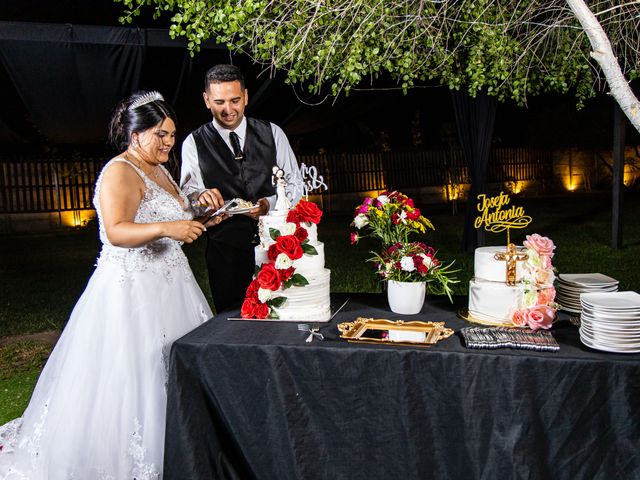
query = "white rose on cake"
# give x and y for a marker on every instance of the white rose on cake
(283, 261)
(545, 276)
(530, 297)
(264, 294)
(288, 228)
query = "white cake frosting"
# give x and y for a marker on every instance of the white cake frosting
(310, 302)
(490, 298)
(486, 267)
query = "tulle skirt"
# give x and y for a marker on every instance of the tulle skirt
(98, 410)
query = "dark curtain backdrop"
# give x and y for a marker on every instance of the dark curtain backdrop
(70, 77)
(475, 118)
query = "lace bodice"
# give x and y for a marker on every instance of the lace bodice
(157, 205)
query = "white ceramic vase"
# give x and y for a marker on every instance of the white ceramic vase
(406, 297)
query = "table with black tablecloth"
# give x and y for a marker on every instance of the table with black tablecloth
(253, 400)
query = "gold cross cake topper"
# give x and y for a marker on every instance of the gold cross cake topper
(497, 219)
(511, 256)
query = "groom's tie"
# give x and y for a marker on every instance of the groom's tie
(235, 144)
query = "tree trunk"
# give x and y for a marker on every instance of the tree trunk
(603, 54)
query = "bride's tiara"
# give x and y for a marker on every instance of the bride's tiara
(146, 98)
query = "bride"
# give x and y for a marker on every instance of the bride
(98, 409)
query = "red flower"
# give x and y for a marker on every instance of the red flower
(252, 290)
(393, 248)
(413, 214)
(286, 274)
(293, 217)
(273, 253)
(306, 212)
(248, 309)
(301, 234)
(261, 310)
(268, 277)
(289, 245)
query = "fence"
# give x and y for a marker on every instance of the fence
(347, 173)
(31, 185)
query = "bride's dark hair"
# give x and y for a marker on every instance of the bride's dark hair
(135, 114)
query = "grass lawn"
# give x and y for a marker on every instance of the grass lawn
(42, 276)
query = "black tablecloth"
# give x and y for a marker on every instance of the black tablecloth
(252, 400)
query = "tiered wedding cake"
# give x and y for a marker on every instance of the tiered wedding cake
(529, 300)
(292, 282)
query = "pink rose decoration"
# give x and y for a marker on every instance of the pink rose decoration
(546, 296)
(540, 316)
(545, 277)
(362, 209)
(543, 245)
(353, 238)
(518, 318)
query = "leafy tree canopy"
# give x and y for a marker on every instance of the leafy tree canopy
(511, 48)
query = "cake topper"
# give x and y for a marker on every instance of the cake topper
(311, 180)
(278, 179)
(497, 219)
(511, 256)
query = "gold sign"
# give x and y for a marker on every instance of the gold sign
(379, 330)
(497, 216)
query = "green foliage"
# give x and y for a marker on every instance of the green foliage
(511, 48)
(20, 365)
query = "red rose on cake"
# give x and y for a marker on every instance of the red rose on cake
(305, 211)
(301, 234)
(289, 245)
(268, 277)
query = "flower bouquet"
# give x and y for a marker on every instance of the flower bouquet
(539, 309)
(415, 262)
(391, 218)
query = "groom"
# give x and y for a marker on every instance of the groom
(232, 157)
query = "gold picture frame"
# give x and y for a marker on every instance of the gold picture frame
(371, 330)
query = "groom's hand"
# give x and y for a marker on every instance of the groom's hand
(212, 198)
(261, 208)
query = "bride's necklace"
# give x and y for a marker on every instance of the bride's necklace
(152, 173)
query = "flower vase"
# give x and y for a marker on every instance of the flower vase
(406, 297)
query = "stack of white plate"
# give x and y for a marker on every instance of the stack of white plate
(569, 286)
(610, 321)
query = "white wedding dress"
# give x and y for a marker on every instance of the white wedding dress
(98, 410)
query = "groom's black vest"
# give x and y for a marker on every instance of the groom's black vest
(249, 179)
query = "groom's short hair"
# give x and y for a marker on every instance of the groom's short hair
(223, 73)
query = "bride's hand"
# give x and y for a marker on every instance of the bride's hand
(186, 231)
